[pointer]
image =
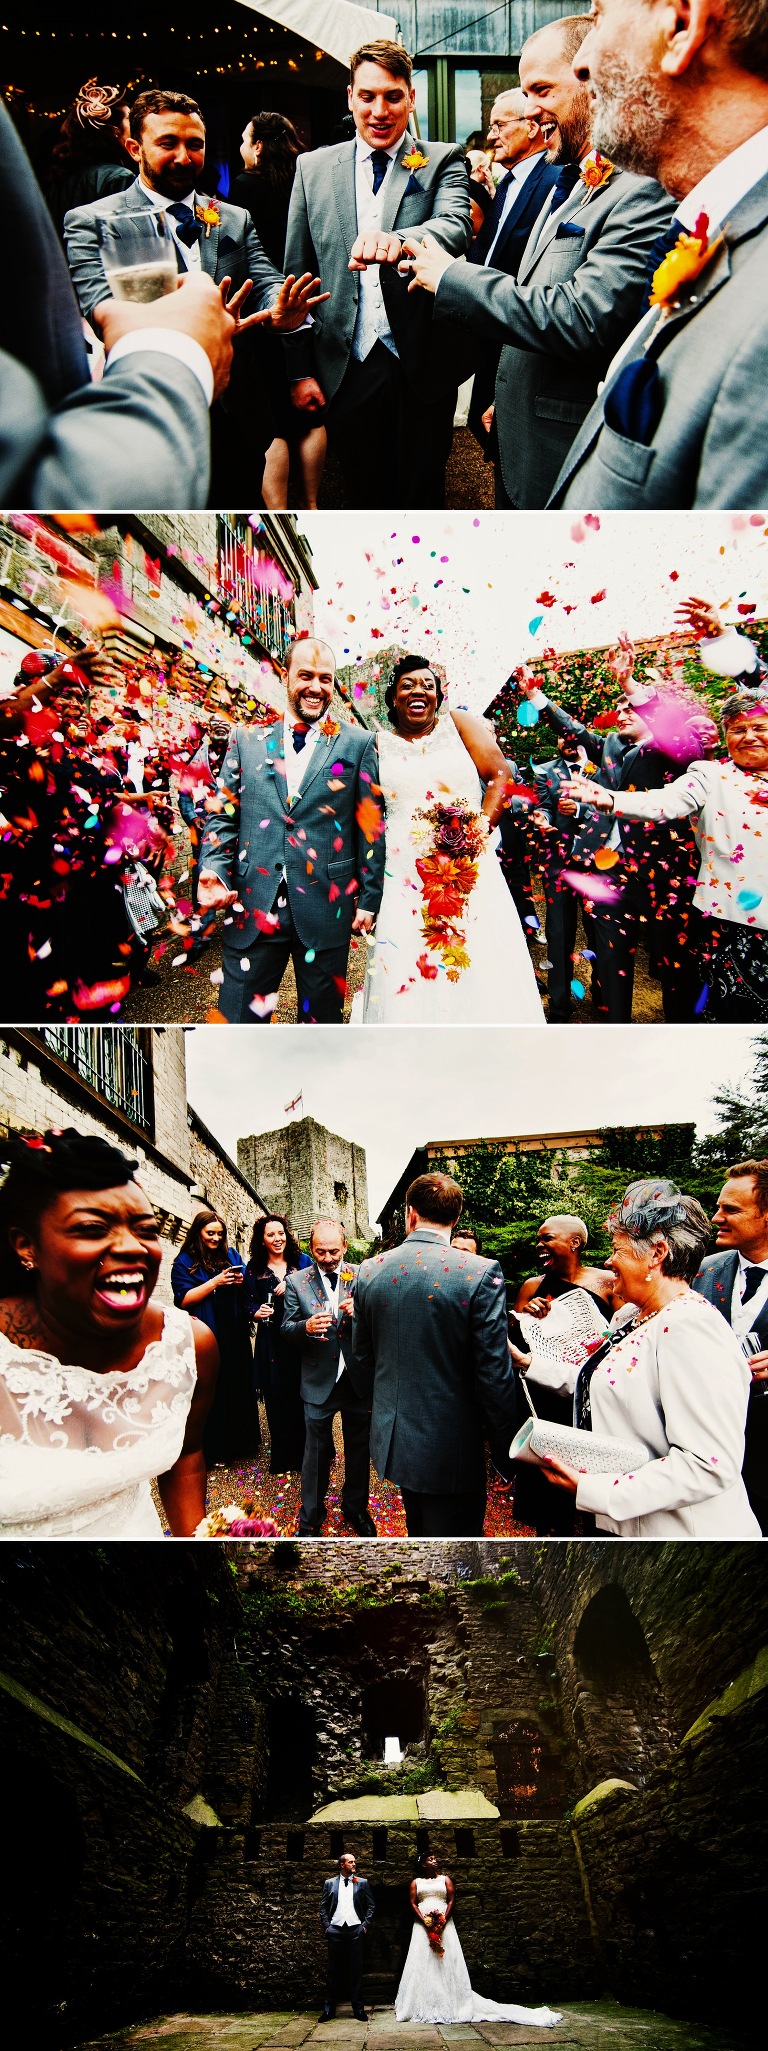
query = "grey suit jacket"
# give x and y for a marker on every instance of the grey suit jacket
(715, 1280)
(139, 436)
(430, 1340)
(322, 226)
(232, 250)
(574, 302)
(304, 1294)
(316, 840)
(710, 447)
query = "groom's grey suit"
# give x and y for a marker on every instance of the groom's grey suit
(295, 865)
(430, 1341)
(324, 1392)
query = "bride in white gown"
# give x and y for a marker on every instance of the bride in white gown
(435, 1987)
(449, 948)
(99, 1391)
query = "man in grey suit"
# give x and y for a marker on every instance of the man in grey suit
(319, 1301)
(578, 284)
(735, 1279)
(138, 436)
(295, 843)
(371, 353)
(430, 1341)
(681, 418)
(346, 1909)
(167, 142)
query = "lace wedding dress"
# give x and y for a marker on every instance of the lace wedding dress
(499, 986)
(78, 1448)
(437, 1990)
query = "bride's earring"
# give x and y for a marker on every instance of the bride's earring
(27, 1263)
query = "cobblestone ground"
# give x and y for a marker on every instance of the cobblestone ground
(595, 2026)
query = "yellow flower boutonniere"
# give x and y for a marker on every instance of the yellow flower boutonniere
(209, 214)
(596, 171)
(683, 263)
(330, 728)
(347, 1274)
(415, 160)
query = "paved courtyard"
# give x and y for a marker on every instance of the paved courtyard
(597, 2026)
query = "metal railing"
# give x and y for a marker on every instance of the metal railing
(112, 1061)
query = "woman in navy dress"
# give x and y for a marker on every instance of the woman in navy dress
(209, 1279)
(274, 1253)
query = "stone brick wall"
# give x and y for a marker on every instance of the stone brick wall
(216, 1177)
(307, 1172)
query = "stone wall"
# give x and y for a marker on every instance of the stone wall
(307, 1172)
(221, 1185)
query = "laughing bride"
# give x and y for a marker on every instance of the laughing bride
(435, 1986)
(449, 947)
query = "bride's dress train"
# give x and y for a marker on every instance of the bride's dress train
(499, 986)
(438, 1990)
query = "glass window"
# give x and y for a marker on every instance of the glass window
(468, 104)
(421, 88)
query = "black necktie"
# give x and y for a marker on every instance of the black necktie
(563, 185)
(658, 250)
(754, 1278)
(300, 737)
(189, 230)
(379, 167)
(332, 1278)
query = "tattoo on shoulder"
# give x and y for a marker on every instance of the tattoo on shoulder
(19, 1319)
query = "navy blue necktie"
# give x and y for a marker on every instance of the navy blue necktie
(493, 223)
(300, 736)
(755, 1276)
(563, 186)
(189, 230)
(379, 167)
(659, 249)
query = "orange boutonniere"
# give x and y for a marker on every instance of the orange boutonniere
(596, 171)
(415, 160)
(209, 214)
(330, 727)
(683, 263)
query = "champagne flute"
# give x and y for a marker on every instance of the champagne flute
(138, 254)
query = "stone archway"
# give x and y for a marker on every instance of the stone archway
(619, 1713)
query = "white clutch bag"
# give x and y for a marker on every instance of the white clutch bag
(580, 1449)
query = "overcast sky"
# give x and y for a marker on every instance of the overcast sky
(466, 588)
(393, 1088)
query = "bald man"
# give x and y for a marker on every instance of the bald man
(293, 849)
(561, 1242)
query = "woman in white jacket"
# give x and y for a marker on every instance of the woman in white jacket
(675, 1380)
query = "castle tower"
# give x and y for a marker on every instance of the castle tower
(305, 1172)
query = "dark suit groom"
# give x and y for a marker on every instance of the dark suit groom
(735, 1279)
(318, 1308)
(346, 1909)
(295, 841)
(430, 1340)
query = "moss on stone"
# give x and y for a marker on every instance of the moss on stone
(752, 1681)
(199, 1811)
(604, 1791)
(62, 1723)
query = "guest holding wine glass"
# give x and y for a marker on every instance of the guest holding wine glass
(208, 1278)
(269, 150)
(674, 1379)
(274, 1254)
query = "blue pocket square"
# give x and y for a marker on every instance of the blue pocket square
(634, 405)
(412, 186)
(568, 228)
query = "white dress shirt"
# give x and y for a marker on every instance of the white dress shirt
(345, 1911)
(745, 1315)
(297, 762)
(716, 195)
(371, 325)
(333, 1295)
(189, 256)
(517, 177)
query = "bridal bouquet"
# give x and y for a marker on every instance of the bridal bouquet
(453, 837)
(434, 1925)
(232, 1522)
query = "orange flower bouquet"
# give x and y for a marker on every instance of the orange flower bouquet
(448, 870)
(434, 1925)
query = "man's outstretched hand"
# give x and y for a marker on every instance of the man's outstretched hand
(197, 308)
(375, 245)
(428, 261)
(212, 893)
(306, 395)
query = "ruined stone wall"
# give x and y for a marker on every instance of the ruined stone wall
(222, 1188)
(307, 1172)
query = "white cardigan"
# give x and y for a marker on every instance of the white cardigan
(680, 1385)
(731, 832)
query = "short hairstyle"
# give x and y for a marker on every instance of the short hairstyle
(745, 27)
(437, 1198)
(650, 1211)
(39, 1168)
(573, 30)
(738, 703)
(758, 1170)
(513, 92)
(402, 668)
(391, 56)
(306, 641)
(257, 1253)
(466, 1232)
(336, 1224)
(572, 1224)
(158, 102)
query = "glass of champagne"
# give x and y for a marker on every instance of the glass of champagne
(138, 254)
